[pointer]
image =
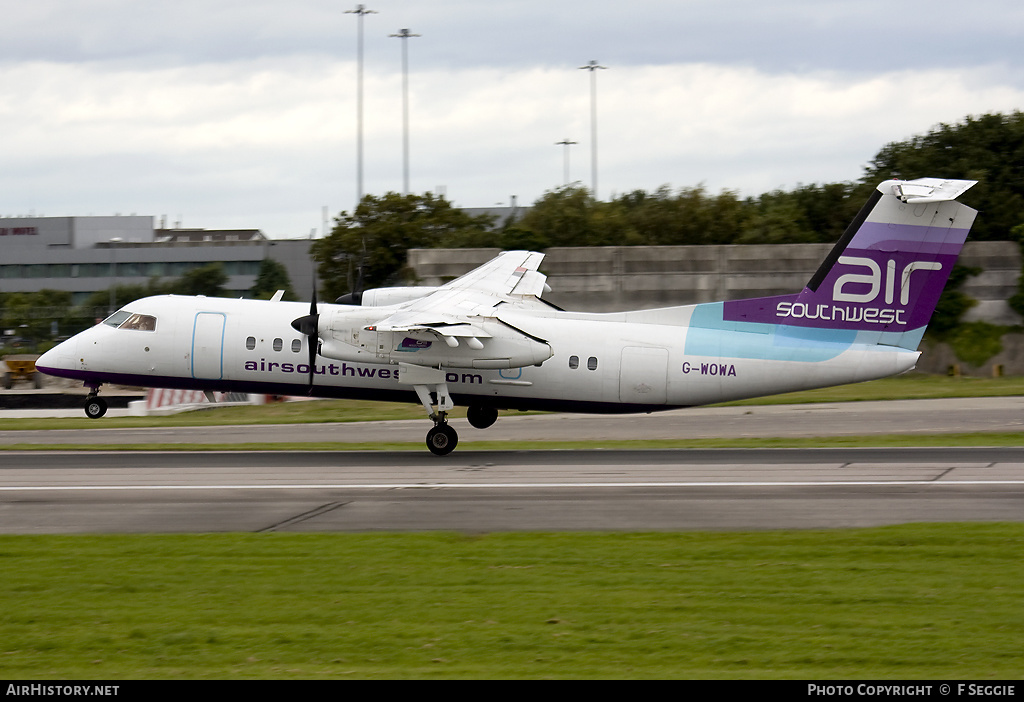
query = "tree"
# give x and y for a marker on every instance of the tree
(368, 248)
(36, 314)
(989, 149)
(273, 276)
(687, 217)
(98, 302)
(566, 216)
(206, 280)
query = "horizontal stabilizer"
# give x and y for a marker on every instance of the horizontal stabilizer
(925, 190)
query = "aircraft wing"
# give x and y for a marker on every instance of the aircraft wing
(509, 273)
(510, 279)
(455, 309)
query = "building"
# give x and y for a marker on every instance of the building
(83, 255)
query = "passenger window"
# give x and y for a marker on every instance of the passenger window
(278, 344)
(296, 345)
(574, 362)
(250, 343)
(140, 322)
(592, 363)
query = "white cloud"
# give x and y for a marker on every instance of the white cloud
(266, 142)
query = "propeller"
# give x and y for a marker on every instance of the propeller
(356, 296)
(309, 325)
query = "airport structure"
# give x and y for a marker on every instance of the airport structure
(83, 255)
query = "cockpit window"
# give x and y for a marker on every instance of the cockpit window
(115, 319)
(140, 322)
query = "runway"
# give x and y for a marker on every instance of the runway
(476, 491)
(954, 415)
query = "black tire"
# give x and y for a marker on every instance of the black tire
(95, 407)
(442, 440)
(8, 381)
(481, 417)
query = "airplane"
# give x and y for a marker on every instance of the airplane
(488, 340)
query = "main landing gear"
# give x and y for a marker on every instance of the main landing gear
(95, 406)
(481, 417)
(442, 438)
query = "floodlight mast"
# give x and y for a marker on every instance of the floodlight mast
(405, 34)
(593, 67)
(566, 144)
(360, 11)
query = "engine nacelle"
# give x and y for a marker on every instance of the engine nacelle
(381, 297)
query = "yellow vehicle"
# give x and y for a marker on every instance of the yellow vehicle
(21, 367)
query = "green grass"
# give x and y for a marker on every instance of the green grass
(910, 386)
(905, 602)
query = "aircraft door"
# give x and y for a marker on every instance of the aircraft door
(643, 375)
(208, 346)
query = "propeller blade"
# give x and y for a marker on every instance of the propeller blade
(312, 360)
(308, 326)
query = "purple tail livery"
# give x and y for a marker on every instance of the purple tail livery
(886, 273)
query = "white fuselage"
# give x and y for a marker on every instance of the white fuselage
(617, 362)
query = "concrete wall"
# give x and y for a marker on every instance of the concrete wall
(616, 278)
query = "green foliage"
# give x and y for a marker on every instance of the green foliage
(687, 217)
(976, 342)
(1017, 300)
(372, 242)
(206, 280)
(99, 301)
(273, 276)
(567, 217)
(989, 148)
(776, 219)
(952, 303)
(32, 315)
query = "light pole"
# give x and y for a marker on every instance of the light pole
(405, 34)
(360, 11)
(113, 274)
(566, 143)
(593, 68)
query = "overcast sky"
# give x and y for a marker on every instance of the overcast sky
(232, 113)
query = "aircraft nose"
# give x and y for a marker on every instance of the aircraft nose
(60, 357)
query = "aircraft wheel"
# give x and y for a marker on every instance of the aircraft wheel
(442, 440)
(95, 407)
(481, 417)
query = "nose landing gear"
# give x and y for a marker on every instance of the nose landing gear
(95, 406)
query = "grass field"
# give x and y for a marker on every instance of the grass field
(909, 386)
(904, 602)
(908, 602)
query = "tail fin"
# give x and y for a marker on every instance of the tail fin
(884, 276)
